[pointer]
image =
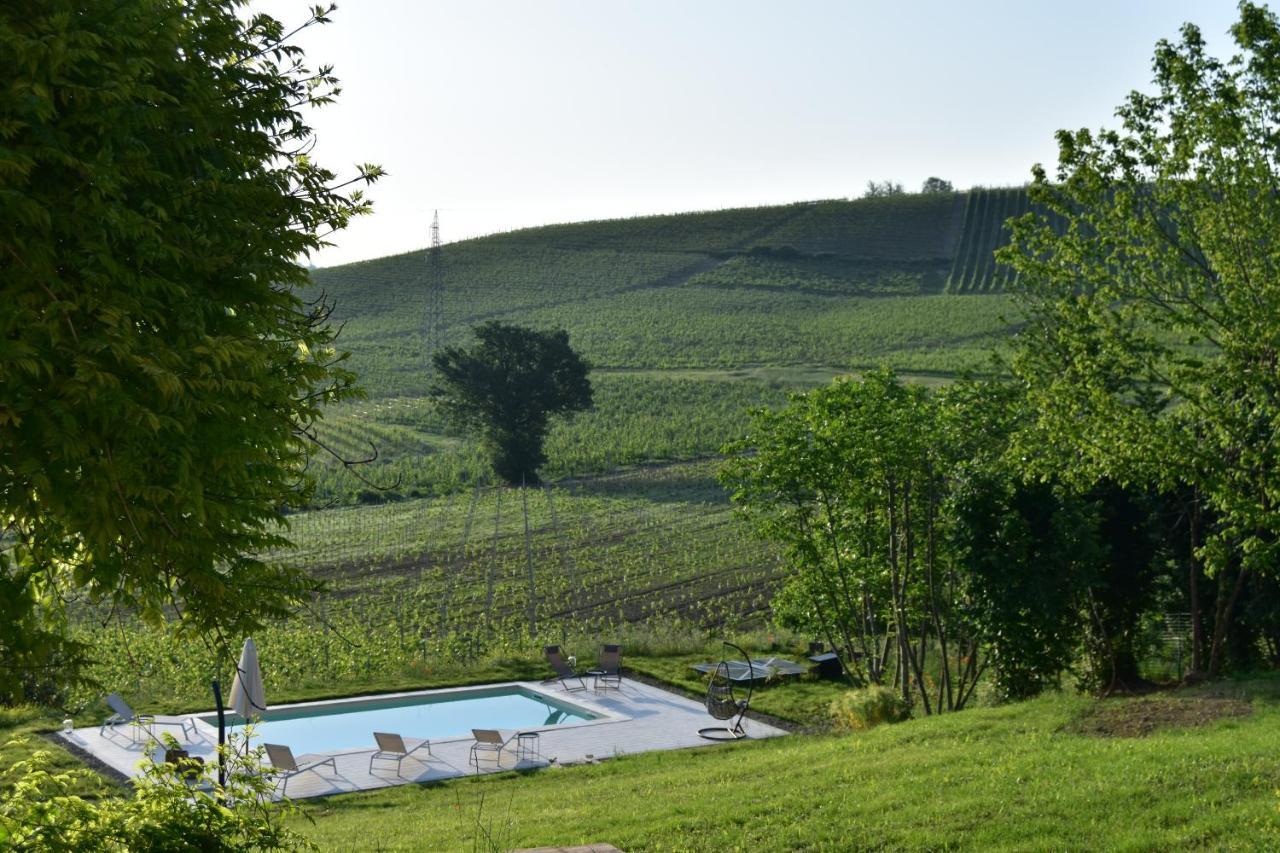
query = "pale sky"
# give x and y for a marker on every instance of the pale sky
(509, 114)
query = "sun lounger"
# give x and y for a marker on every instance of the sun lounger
(491, 741)
(391, 747)
(565, 674)
(285, 766)
(122, 713)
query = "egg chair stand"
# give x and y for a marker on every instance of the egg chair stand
(724, 704)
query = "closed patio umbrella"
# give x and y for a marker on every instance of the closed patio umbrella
(248, 698)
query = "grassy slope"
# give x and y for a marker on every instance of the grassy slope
(633, 547)
(661, 295)
(636, 418)
(1001, 778)
(1006, 778)
(645, 292)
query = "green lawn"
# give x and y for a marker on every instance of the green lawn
(1005, 778)
(21, 731)
(1016, 777)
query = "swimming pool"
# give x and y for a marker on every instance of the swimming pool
(337, 726)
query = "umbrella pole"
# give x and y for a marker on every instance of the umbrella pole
(222, 733)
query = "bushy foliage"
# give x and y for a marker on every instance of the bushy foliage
(920, 548)
(174, 808)
(1024, 548)
(1150, 355)
(868, 707)
(851, 481)
(508, 386)
(160, 370)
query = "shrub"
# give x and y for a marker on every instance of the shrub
(42, 811)
(869, 707)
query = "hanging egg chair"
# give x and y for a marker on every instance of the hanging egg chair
(723, 702)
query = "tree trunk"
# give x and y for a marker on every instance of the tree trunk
(1222, 618)
(915, 670)
(895, 585)
(884, 652)
(930, 555)
(840, 587)
(1193, 589)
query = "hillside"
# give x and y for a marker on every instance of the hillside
(701, 304)
(830, 283)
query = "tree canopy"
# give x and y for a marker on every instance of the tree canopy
(853, 481)
(507, 387)
(1151, 282)
(883, 189)
(919, 548)
(160, 368)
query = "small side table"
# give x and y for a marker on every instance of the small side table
(527, 746)
(141, 723)
(610, 679)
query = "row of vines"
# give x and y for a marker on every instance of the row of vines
(974, 268)
(437, 582)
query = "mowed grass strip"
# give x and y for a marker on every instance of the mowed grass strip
(1008, 778)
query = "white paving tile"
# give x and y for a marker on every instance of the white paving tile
(634, 718)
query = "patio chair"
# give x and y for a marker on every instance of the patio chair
(122, 713)
(488, 740)
(609, 670)
(564, 673)
(285, 766)
(723, 703)
(391, 747)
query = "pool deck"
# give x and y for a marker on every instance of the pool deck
(634, 718)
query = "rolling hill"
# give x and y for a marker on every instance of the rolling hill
(686, 317)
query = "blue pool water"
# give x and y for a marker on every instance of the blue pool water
(350, 725)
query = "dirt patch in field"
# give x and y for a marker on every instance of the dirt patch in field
(1139, 717)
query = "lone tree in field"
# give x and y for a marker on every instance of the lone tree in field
(160, 371)
(1152, 351)
(936, 185)
(508, 386)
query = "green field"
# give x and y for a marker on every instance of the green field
(690, 321)
(638, 417)
(687, 290)
(651, 552)
(1021, 777)
(658, 304)
(648, 544)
